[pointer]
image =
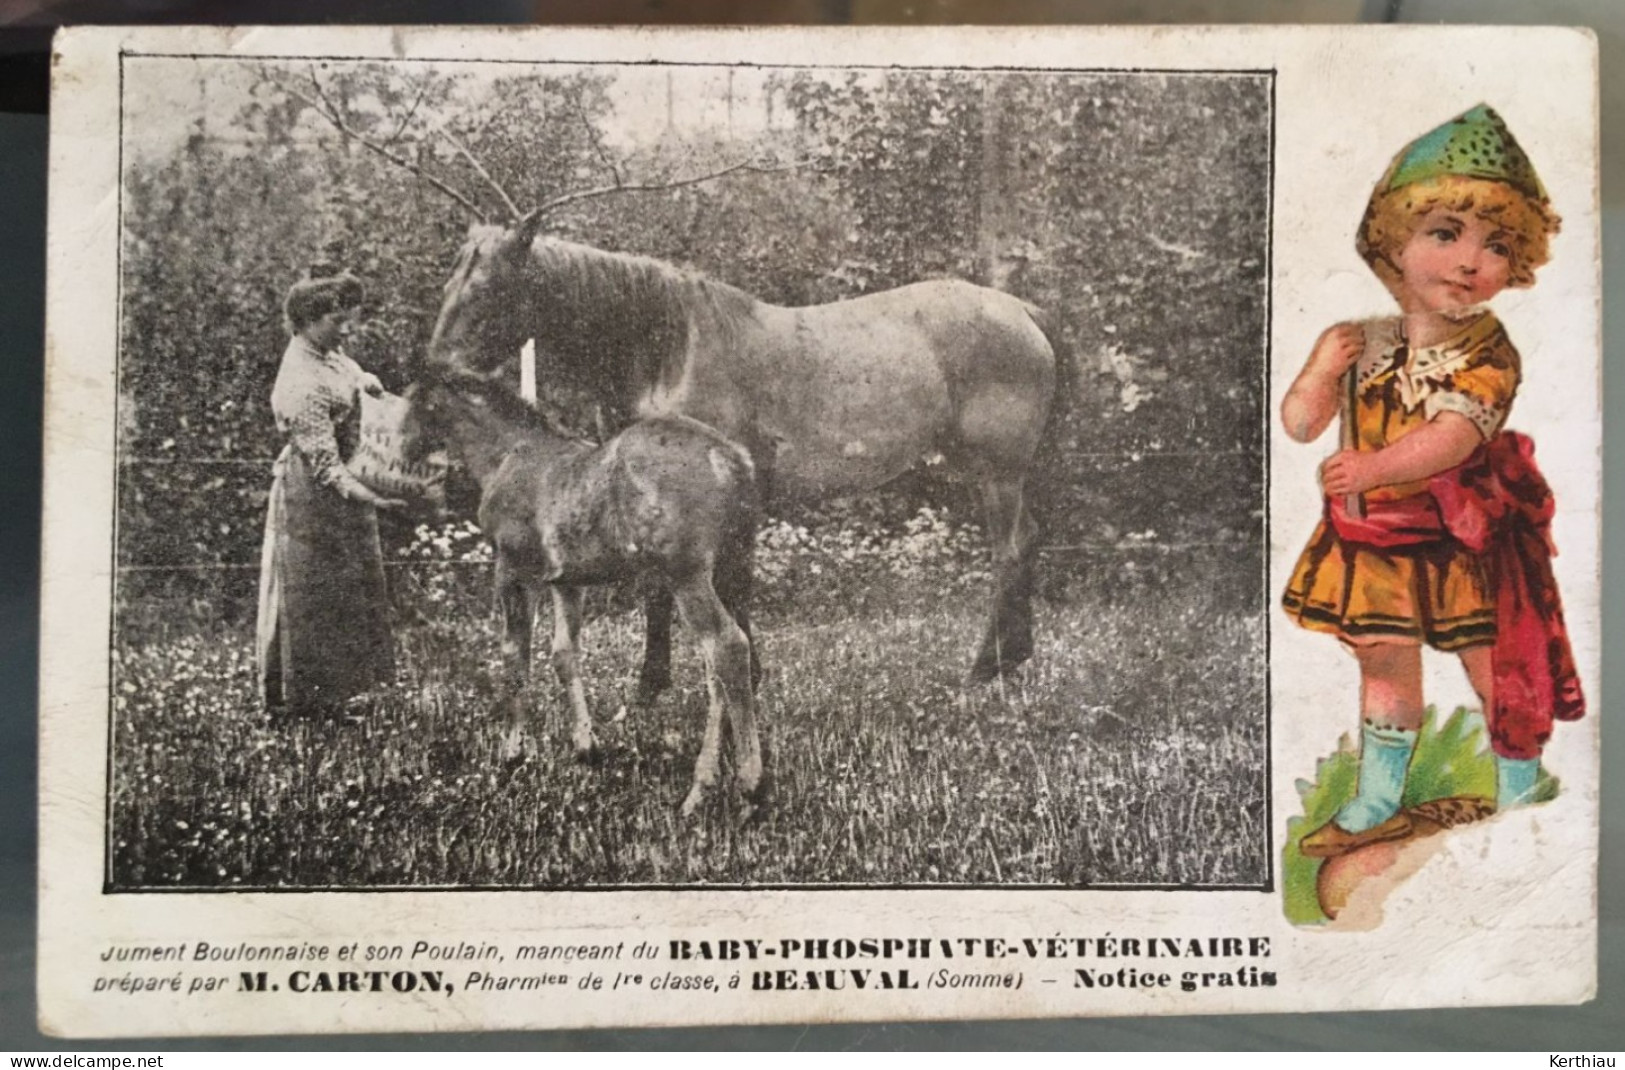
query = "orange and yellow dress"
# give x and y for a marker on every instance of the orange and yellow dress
(1437, 592)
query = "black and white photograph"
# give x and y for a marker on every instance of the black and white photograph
(583, 528)
(885, 446)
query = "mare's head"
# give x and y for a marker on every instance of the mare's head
(485, 314)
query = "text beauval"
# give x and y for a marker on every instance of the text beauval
(829, 980)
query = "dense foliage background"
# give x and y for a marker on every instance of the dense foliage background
(1130, 751)
(1132, 207)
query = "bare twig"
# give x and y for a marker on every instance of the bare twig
(458, 146)
(326, 102)
(648, 187)
(322, 109)
(423, 91)
(477, 131)
(513, 209)
(325, 107)
(598, 141)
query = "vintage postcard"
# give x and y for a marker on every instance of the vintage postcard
(607, 527)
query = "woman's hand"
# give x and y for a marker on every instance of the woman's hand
(371, 385)
(367, 495)
(1351, 472)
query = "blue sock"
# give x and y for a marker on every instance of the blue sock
(1515, 781)
(1385, 754)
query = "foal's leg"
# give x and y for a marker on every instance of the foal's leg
(1009, 638)
(727, 672)
(567, 666)
(735, 580)
(734, 590)
(517, 616)
(655, 676)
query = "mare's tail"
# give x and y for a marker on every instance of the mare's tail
(1068, 370)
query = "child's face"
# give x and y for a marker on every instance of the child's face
(1453, 260)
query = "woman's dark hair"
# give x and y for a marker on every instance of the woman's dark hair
(310, 299)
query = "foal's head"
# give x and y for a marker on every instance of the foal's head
(443, 406)
(425, 427)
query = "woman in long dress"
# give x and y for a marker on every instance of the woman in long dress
(323, 637)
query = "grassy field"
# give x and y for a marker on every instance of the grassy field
(1130, 751)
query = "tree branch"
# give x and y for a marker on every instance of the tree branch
(513, 209)
(597, 140)
(322, 109)
(647, 187)
(423, 91)
(442, 131)
(325, 107)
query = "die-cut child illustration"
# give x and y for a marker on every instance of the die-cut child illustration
(1436, 530)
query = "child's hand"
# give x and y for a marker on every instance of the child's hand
(1312, 403)
(1350, 472)
(1338, 348)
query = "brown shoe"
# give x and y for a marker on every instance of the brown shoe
(1330, 839)
(1449, 812)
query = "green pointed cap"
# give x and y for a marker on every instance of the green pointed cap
(1475, 144)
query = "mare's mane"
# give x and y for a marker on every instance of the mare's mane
(612, 325)
(585, 275)
(632, 314)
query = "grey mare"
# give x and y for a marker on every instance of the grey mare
(828, 399)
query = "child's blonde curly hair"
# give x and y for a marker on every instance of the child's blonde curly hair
(1394, 216)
